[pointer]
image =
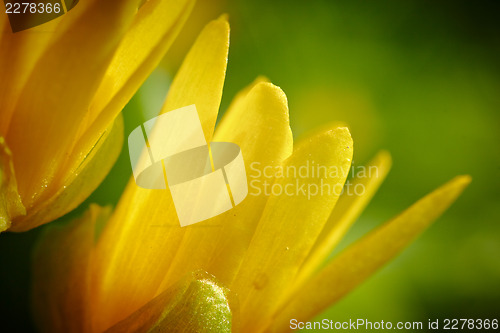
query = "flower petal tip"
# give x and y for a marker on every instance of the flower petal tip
(384, 158)
(261, 78)
(221, 23)
(464, 179)
(342, 131)
(271, 90)
(459, 182)
(224, 18)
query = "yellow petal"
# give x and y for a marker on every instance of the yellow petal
(10, 200)
(359, 261)
(218, 244)
(18, 54)
(290, 224)
(263, 116)
(201, 77)
(61, 273)
(346, 211)
(59, 90)
(239, 99)
(198, 303)
(155, 27)
(141, 239)
(77, 186)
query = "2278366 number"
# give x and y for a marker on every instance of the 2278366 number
(32, 7)
(471, 324)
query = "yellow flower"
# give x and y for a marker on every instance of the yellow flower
(62, 86)
(250, 269)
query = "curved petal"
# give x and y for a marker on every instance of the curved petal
(155, 27)
(292, 220)
(19, 53)
(345, 213)
(143, 235)
(201, 77)
(59, 90)
(258, 122)
(359, 261)
(77, 186)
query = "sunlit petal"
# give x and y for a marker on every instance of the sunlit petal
(141, 239)
(347, 210)
(218, 244)
(201, 77)
(359, 261)
(155, 27)
(290, 225)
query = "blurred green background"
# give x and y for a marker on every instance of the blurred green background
(418, 78)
